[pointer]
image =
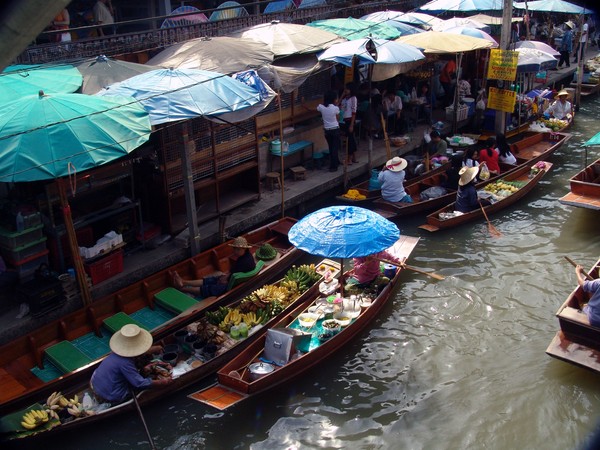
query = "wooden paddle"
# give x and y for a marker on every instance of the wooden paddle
(574, 264)
(493, 230)
(139, 410)
(415, 269)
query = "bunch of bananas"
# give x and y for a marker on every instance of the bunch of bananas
(55, 403)
(34, 419)
(305, 275)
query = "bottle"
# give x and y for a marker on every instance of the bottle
(243, 329)
(20, 222)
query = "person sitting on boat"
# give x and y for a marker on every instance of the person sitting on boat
(391, 179)
(561, 108)
(452, 174)
(466, 196)
(504, 153)
(489, 155)
(471, 157)
(437, 148)
(216, 283)
(592, 308)
(368, 268)
(118, 374)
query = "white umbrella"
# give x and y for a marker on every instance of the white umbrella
(473, 32)
(557, 6)
(463, 5)
(537, 45)
(442, 42)
(461, 22)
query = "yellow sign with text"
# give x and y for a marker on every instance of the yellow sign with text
(502, 100)
(503, 64)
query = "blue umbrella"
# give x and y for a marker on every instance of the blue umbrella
(343, 232)
(176, 94)
(557, 6)
(462, 5)
(21, 80)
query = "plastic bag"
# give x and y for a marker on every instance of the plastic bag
(484, 172)
(480, 105)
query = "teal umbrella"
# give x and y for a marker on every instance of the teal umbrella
(41, 136)
(20, 80)
(49, 136)
(351, 28)
(594, 140)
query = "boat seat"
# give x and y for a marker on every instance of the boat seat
(174, 300)
(575, 314)
(115, 323)
(240, 277)
(66, 357)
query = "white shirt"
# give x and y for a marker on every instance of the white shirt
(559, 109)
(395, 105)
(102, 14)
(349, 106)
(329, 114)
(584, 33)
(508, 159)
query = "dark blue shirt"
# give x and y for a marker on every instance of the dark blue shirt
(244, 263)
(466, 198)
(115, 375)
(593, 309)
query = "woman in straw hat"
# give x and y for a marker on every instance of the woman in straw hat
(561, 108)
(216, 283)
(466, 196)
(114, 378)
(391, 179)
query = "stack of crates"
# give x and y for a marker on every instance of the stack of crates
(25, 250)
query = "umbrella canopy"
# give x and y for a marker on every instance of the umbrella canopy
(375, 51)
(473, 32)
(176, 94)
(442, 42)
(41, 135)
(20, 80)
(538, 46)
(461, 22)
(533, 60)
(422, 20)
(557, 6)
(285, 39)
(218, 54)
(594, 140)
(101, 71)
(343, 232)
(279, 5)
(228, 10)
(463, 5)
(351, 28)
(184, 15)
(493, 20)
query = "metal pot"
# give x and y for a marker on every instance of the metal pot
(259, 369)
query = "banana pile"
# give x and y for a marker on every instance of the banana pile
(34, 419)
(58, 402)
(235, 317)
(501, 188)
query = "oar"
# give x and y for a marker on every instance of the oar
(492, 229)
(139, 410)
(574, 264)
(415, 269)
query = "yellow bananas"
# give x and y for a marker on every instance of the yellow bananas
(34, 419)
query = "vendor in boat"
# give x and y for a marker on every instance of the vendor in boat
(505, 155)
(118, 374)
(489, 155)
(466, 196)
(368, 268)
(216, 283)
(592, 308)
(391, 178)
(437, 147)
(562, 108)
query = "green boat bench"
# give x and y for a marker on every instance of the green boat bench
(66, 357)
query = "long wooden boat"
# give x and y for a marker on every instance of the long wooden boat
(235, 382)
(585, 188)
(520, 180)
(577, 342)
(213, 327)
(587, 89)
(365, 196)
(529, 150)
(52, 357)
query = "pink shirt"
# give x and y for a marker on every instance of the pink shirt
(367, 268)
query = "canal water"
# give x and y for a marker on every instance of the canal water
(452, 364)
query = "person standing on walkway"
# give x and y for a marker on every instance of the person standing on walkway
(448, 81)
(104, 15)
(349, 108)
(583, 37)
(566, 46)
(330, 113)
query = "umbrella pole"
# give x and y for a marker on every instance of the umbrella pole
(72, 237)
(190, 195)
(281, 160)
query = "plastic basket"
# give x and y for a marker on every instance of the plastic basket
(461, 114)
(106, 267)
(15, 239)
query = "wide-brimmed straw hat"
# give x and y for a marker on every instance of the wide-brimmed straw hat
(570, 24)
(130, 341)
(240, 242)
(396, 164)
(467, 174)
(561, 93)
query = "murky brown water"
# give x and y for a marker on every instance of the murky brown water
(453, 364)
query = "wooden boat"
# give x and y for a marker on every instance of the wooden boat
(529, 150)
(446, 218)
(52, 357)
(235, 382)
(365, 196)
(585, 188)
(192, 365)
(587, 89)
(577, 342)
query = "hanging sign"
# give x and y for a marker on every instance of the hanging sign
(502, 99)
(503, 64)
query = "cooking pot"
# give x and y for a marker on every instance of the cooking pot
(259, 369)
